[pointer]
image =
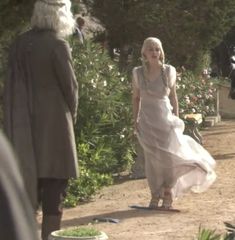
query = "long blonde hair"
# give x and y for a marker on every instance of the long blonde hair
(152, 41)
(55, 15)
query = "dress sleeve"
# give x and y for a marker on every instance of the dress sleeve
(135, 82)
(66, 76)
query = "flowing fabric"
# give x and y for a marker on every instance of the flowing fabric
(172, 159)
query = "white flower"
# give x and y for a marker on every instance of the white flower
(210, 91)
(110, 67)
(105, 83)
(187, 100)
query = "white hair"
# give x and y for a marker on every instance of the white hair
(55, 15)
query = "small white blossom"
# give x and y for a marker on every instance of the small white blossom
(187, 100)
(110, 67)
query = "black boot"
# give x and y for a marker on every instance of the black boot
(50, 223)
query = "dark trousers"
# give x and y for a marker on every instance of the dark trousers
(51, 193)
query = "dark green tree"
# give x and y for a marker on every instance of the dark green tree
(187, 28)
(14, 18)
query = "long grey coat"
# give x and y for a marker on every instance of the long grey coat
(40, 107)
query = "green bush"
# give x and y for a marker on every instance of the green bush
(196, 94)
(80, 232)
(103, 131)
(82, 188)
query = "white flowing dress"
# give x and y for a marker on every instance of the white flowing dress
(171, 159)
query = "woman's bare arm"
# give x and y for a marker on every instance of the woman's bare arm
(174, 100)
(173, 95)
(135, 100)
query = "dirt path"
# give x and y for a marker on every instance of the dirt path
(210, 209)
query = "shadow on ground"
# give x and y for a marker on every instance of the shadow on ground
(119, 215)
(224, 156)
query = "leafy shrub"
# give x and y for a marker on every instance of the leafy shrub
(196, 94)
(103, 130)
(79, 232)
(82, 188)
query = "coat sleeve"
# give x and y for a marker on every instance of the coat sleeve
(62, 61)
(16, 212)
(7, 93)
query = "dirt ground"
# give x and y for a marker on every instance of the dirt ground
(209, 209)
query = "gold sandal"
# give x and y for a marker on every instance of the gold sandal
(167, 199)
(154, 203)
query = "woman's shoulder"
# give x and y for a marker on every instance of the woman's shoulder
(137, 69)
(171, 74)
(169, 68)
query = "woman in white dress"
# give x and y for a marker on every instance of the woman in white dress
(174, 162)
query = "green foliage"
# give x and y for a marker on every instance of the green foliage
(186, 28)
(76, 8)
(82, 188)
(104, 122)
(103, 131)
(207, 234)
(80, 232)
(14, 18)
